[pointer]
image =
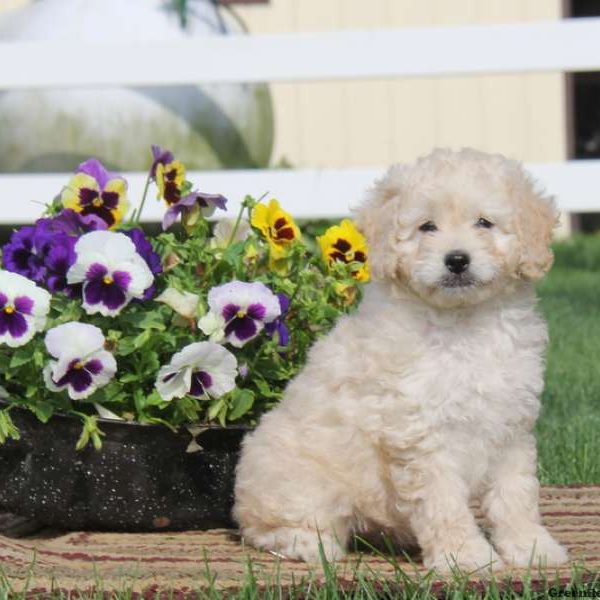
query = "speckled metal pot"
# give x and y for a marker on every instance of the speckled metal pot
(143, 479)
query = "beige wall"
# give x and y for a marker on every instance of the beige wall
(379, 122)
(8, 4)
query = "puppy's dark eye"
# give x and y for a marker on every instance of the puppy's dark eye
(484, 223)
(428, 226)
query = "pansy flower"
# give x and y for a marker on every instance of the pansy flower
(111, 271)
(344, 243)
(71, 223)
(23, 309)
(278, 326)
(184, 304)
(59, 259)
(95, 191)
(202, 370)
(42, 253)
(169, 175)
(144, 248)
(192, 205)
(25, 253)
(160, 156)
(82, 364)
(277, 226)
(223, 233)
(243, 308)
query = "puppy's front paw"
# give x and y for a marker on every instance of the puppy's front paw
(296, 543)
(534, 547)
(475, 555)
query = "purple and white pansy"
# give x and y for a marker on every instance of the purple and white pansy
(201, 369)
(23, 309)
(111, 271)
(82, 364)
(242, 308)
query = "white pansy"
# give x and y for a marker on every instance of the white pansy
(111, 271)
(24, 308)
(82, 365)
(201, 369)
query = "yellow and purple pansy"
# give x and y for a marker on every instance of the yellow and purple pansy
(169, 175)
(344, 243)
(94, 190)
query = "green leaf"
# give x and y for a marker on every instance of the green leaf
(128, 378)
(21, 357)
(241, 402)
(214, 410)
(42, 410)
(39, 358)
(90, 431)
(126, 346)
(147, 320)
(266, 391)
(8, 429)
(142, 339)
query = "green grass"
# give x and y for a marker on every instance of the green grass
(324, 583)
(569, 427)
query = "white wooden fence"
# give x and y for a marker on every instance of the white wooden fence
(569, 45)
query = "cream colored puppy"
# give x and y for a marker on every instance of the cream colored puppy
(424, 398)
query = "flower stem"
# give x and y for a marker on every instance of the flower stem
(139, 212)
(236, 225)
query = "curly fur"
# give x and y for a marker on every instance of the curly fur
(425, 397)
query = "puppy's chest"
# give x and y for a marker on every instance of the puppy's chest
(489, 373)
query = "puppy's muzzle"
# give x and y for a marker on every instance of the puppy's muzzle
(457, 261)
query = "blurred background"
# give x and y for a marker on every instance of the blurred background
(336, 134)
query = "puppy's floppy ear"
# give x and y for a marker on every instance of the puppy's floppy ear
(377, 217)
(535, 218)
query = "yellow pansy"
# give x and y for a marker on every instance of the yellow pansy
(277, 226)
(344, 243)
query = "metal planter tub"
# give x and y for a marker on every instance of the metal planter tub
(145, 477)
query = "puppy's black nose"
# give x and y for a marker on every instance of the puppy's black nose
(457, 261)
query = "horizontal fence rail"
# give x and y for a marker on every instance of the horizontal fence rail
(567, 45)
(306, 193)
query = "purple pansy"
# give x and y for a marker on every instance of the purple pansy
(82, 365)
(278, 326)
(45, 252)
(111, 271)
(206, 203)
(144, 249)
(59, 259)
(202, 370)
(23, 309)
(243, 308)
(71, 223)
(26, 251)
